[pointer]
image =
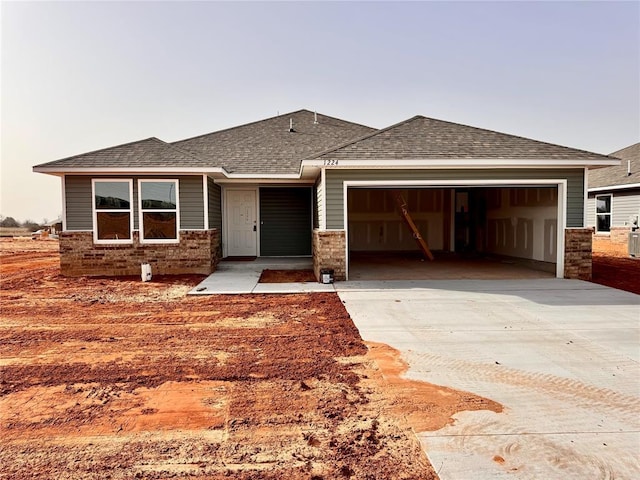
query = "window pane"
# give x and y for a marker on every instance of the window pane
(112, 195)
(159, 226)
(604, 223)
(113, 226)
(158, 195)
(603, 204)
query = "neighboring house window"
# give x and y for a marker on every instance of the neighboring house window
(112, 217)
(159, 220)
(603, 213)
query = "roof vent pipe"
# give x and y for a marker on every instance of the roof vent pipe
(291, 125)
(315, 118)
(628, 167)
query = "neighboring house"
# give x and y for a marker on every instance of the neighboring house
(304, 184)
(613, 204)
(54, 226)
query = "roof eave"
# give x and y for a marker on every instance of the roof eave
(59, 171)
(456, 163)
(614, 187)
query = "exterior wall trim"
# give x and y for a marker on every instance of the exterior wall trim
(562, 204)
(586, 197)
(163, 171)
(427, 163)
(323, 183)
(63, 181)
(205, 201)
(615, 187)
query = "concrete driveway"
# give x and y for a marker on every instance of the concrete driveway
(561, 356)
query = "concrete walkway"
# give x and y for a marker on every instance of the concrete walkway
(236, 277)
(561, 356)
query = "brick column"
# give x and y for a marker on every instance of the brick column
(577, 253)
(329, 252)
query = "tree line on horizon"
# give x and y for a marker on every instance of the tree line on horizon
(10, 222)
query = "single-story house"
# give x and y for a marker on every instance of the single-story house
(54, 226)
(306, 184)
(613, 204)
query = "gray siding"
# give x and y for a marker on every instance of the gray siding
(318, 211)
(215, 204)
(136, 211)
(623, 206)
(191, 203)
(79, 201)
(591, 211)
(336, 177)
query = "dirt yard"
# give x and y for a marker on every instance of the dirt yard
(612, 266)
(115, 378)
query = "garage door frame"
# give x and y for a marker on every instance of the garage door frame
(561, 184)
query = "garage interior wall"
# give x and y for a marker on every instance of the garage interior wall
(375, 225)
(522, 222)
(516, 222)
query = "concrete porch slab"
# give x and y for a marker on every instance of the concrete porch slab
(238, 277)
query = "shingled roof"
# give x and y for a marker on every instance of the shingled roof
(268, 146)
(277, 145)
(263, 147)
(148, 153)
(616, 175)
(427, 138)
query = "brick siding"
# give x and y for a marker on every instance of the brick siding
(198, 252)
(619, 235)
(329, 252)
(577, 253)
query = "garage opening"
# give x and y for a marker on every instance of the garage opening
(473, 232)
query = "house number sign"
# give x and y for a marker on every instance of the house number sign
(330, 163)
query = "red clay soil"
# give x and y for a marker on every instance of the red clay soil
(613, 267)
(116, 378)
(287, 276)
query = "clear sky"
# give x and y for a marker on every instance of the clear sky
(80, 76)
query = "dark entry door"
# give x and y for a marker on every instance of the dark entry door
(285, 221)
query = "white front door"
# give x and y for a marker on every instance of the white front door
(242, 223)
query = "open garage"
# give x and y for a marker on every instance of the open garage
(484, 203)
(452, 231)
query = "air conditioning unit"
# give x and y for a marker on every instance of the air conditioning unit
(634, 244)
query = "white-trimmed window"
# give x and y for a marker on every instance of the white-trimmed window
(603, 213)
(112, 215)
(158, 206)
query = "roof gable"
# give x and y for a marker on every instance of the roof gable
(427, 138)
(616, 176)
(270, 146)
